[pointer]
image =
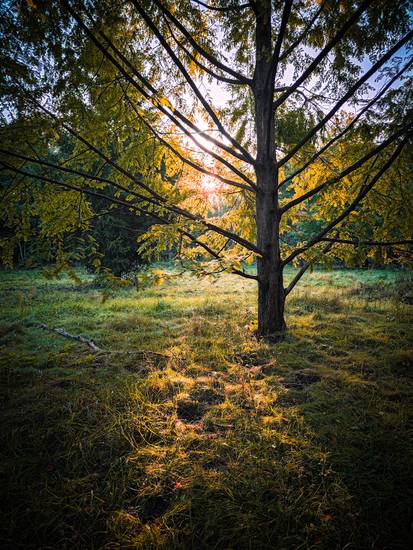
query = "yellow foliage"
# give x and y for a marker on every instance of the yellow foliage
(252, 326)
(165, 102)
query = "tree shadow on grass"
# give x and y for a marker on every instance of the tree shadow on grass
(233, 443)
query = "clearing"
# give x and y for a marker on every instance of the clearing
(220, 442)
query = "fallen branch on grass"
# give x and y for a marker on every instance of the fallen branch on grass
(93, 346)
(137, 352)
(77, 337)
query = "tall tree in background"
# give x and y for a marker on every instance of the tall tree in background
(134, 87)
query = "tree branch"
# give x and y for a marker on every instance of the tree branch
(303, 269)
(245, 156)
(132, 206)
(199, 64)
(367, 243)
(199, 48)
(153, 99)
(90, 343)
(307, 29)
(276, 54)
(243, 242)
(347, 96)
(327, 249)
(82, 174)
(345, 172)
(95, 347)
(215, 8)
(352, 123)
(360, 196)
(161, 204)
(187, 161)
(325, 51)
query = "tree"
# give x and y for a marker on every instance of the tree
(291, 68)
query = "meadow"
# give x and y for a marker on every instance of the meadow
(185, 431)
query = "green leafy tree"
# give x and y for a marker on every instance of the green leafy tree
(116, 234)
(132, 85)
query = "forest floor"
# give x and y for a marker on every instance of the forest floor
(221, 442)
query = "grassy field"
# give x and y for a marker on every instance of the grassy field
(220, 441)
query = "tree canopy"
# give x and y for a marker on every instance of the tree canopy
(271, 131)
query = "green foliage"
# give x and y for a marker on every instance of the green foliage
(292, 126)
(385, 214)
(48, 62)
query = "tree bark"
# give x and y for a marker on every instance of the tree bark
(271, 298)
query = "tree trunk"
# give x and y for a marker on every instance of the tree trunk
(271, 298)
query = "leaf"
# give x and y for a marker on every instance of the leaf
(165, 102)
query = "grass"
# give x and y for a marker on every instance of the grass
(227, 442)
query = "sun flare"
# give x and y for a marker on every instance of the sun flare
(210, 186)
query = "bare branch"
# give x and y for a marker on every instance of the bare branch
(215, 8)
(89, 342)
(95, 347)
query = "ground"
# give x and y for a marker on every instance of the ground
(222, 441)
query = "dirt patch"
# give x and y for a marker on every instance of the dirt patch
(190, 411)
(300, 380)
(207, 395)
(15, 328)
(155, 506)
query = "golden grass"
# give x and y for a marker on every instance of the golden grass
(227, 443)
